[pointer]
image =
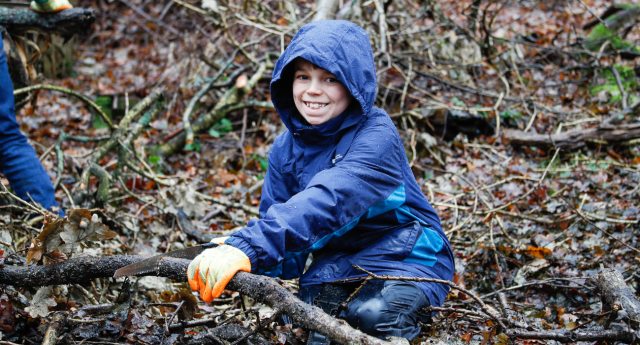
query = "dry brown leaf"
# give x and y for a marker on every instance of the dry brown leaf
(65, 234)
(35, 252)
(80, 228)
(538, 252)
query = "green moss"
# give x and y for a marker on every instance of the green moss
(627, 77)
(600, 34)
(105, 104)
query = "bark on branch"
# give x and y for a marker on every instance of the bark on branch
(65, 23)
(573, 336)
(262, 289)
(617, 297)
(575, 138)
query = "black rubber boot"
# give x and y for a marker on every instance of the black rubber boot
(380, 308)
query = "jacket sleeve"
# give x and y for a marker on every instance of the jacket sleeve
(273, 190)
(329, 206)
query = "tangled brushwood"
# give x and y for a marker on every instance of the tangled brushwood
(154, 120)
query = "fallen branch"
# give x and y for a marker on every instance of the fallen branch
(116, 138)
(262, 289)
(575, 138)
(250, 209)
(188, 228)
(573, 336)
(64, 23)
(617, 297)
(57, 324)
(228, 103)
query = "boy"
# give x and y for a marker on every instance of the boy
(338, 185)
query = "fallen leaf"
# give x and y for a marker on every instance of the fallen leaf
(65, 234)
(41, 302)
(538, 252)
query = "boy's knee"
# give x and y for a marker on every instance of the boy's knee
(388, 308)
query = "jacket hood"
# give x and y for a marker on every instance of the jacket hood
(340, 47)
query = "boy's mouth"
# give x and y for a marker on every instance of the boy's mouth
(313, 105)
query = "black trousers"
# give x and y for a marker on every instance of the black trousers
(381, 308)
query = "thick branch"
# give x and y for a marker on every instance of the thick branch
(64, 23)
(575, 138)
(617, 296)
(573, 336)
(262, 289)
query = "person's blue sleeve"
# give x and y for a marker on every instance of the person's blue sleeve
(273, 190)
(18, 160)
(329, 206)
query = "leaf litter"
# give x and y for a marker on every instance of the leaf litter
(537, 250)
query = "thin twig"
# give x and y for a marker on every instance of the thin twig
(623, 92)
(595, 226)
(84, 98)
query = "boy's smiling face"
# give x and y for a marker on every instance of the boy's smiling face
(317, 93)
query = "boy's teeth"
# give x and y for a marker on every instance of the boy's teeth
(315, 105)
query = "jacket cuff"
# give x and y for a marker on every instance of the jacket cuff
(246, 248)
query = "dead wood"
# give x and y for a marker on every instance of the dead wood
(262, 289)
(58, 321)
(267, 290)
(617, 297)
(231, 332)
(575, 138)
(64, 23)
(193, 232)
(325, 9)
(572, 336)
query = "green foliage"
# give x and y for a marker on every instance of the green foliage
(458, 102)
(600, 34)
(511, 114)
(105, 104)
(627, 77)
(223, 126)
(193, 146)
(263, 162)
(154, 159)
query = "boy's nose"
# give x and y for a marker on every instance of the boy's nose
(314, 88)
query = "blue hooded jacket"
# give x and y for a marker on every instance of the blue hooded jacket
(342, 189)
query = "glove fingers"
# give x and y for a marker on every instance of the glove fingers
(192, 273)
(205, 262)
(219, 240)
(226, 275)
(193, 276)
(205, 292)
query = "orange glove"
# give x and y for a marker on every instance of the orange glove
(50, 6)
(211, 271)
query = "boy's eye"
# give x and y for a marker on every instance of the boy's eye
(302, 77)
(332, 80)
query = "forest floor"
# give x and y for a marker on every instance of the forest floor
(467, 84)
